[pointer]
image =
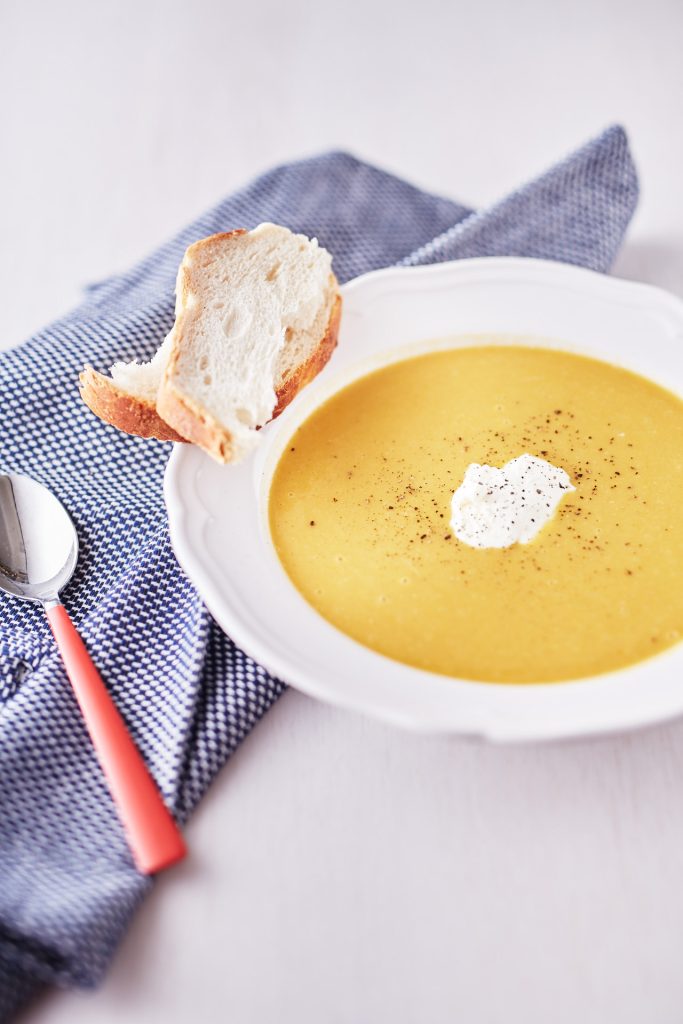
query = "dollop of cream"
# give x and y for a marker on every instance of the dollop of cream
(496, 508)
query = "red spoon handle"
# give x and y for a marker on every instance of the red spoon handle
(153, 836)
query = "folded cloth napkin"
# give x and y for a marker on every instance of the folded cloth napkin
(68, 886)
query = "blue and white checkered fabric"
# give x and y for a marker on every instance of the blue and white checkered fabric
(68, 887)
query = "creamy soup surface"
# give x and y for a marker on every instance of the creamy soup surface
(360, 505)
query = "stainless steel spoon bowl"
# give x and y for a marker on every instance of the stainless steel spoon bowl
(38, 554)
(38, 541)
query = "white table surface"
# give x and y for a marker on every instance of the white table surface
(343, 871)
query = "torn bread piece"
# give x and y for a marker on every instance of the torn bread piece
(257, 317)
(128, 398)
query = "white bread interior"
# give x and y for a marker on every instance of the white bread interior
(143, 379)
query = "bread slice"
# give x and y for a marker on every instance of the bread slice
(257, 317)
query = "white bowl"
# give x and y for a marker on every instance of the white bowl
(219, 523)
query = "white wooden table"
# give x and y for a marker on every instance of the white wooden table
(343, 871)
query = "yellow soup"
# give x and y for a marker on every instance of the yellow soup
(360, 509)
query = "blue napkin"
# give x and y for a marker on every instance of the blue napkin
(68, 887)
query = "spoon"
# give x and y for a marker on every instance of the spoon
(38, 553)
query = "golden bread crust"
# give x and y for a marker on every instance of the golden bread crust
(118, 408)
(304, 374)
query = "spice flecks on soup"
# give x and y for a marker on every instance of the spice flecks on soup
(360, 509)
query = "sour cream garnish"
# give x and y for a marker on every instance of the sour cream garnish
(495, 508)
